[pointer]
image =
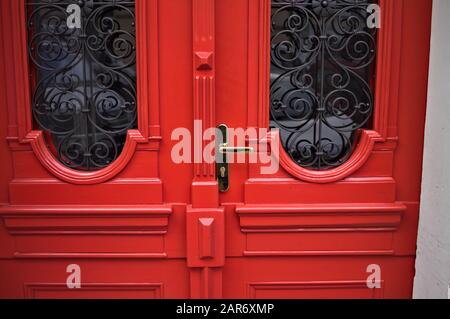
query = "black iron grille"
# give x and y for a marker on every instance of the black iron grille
(84, 79)
(322, 77)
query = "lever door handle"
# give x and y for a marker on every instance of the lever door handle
(222, 149)
(228, 149)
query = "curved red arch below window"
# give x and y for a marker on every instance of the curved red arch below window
(48, 160)
(359, 157)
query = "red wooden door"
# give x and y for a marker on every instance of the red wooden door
(305, 232)
(146, 225)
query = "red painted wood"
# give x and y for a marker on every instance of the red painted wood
(359, 157)
(146, 227)
(147, 63)
(312, 234)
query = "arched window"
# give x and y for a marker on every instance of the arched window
(83, 74)
(322, 78)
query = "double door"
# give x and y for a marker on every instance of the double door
(236, 149)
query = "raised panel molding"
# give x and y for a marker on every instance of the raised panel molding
(109, 290)
(205, 237)
(320, 229)
(87, 231)
(336, 289)
(289, 218)
(282, 191)
(122, 192)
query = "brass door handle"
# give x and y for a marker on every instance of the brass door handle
(242, 149)
(222, 149)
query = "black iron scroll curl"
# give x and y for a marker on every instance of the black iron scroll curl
(84, 79)
(322, 71)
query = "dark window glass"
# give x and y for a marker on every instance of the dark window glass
(84, 79)
(322, 74)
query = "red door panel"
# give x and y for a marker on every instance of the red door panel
(305, 235)
(316, 277)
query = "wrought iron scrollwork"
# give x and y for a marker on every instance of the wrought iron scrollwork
(322, 71)
(84, 79)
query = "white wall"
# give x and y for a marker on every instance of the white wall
(433, 254)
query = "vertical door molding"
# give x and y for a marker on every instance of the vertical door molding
(383, 135)
(204, 90)
(204, 185)
(21, 133)
(205, 230)
(259, 63)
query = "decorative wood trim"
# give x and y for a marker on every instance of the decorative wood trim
(43, 154)
(91, 256)
(359, 157)
(320, 217)
(259, 41)
(204, 185)
(204, 82)
(148, 133)
(253, 288)
(32, 226)
(286, 228)
(32, 289)
(388, 67)
(205, 237)
(320, 253)
(386, 93)
(205, 221)
(206, 283)
(88, 210)
(92, 220)
(147, 64)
